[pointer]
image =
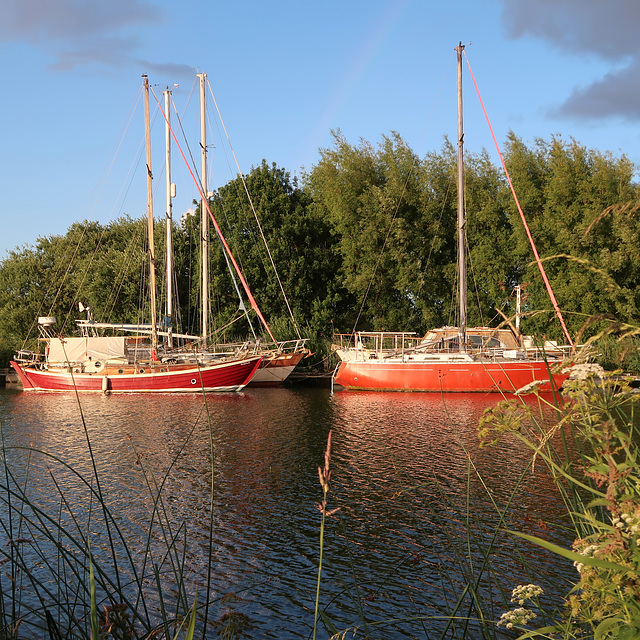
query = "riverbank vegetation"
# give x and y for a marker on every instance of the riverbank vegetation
(366, 239)
(596, 470)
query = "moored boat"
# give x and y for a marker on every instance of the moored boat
(451, 359)
(278, 363)
(491, 361)
(129, 363)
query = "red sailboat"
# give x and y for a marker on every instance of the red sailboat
(452, 359)
(134, 363)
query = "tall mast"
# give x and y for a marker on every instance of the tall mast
(169, 216)
(204, 218)
(462, 260)
(152, 253)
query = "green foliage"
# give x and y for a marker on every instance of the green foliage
(581, 206)
(366, 239)
(600, 417)
(299, 263)
(385, 208)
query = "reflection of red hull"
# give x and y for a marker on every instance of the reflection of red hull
(224, 376)
(447, 376)
(274, 371)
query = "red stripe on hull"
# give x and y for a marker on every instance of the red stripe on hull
(227, 376)
(275, 371)
(463, 377)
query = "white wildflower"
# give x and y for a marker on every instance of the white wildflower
(525, 592)
(519, 616)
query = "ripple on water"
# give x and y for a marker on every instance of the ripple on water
(416, 495)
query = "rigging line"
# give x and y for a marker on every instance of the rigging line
(284, 295)
(127, 257)
(475, 280)
(522, 217)
(193, 163)
(404, 188)
(220, 199)
(70, 261)
(431, 247)
(245, 218)
(205, 200)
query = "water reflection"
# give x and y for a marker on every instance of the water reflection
(419, 500)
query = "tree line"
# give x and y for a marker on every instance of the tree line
(366, 239)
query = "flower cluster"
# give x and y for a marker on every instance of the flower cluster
(587, 552)
(629, 525)
(524, 592)
(520, 616)
(516, 617)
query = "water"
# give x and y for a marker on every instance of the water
(419, 505)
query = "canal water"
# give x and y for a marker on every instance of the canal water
(182, 492)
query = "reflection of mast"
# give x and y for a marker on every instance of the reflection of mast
(462, 259)
(152, 257)
(169, 217)
(204, 214)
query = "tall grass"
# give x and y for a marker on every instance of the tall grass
(71, 571)
(600, 484)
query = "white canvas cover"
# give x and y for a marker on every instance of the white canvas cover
(81, 349)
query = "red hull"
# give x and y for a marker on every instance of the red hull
(274, 371)
(224, 376)
(458, 377)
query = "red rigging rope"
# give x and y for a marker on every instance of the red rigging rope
(254, 304)
(524, 221)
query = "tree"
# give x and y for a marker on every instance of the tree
(570, 197)
(285, 251)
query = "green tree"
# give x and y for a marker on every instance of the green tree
(571, 199)
(285, 251)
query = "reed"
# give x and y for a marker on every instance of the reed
(62, 580)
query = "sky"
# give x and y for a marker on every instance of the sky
(284, 75)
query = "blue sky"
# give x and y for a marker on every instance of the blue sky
(284, 75)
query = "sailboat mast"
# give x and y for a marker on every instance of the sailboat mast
(152, 253)
(170, 194)
(462, 259)
(204, 219)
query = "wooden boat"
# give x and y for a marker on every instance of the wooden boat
(105, 365)
(279, 359)
(278, 363)
(449, 359)
(129, 364)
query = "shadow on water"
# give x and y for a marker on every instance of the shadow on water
(419, 500)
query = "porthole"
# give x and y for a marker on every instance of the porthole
(120, 370)
(140, 370)
(162, 370)
(193, 381)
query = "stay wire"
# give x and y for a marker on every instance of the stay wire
(521, 212)
(397, 209)
(277, 275)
